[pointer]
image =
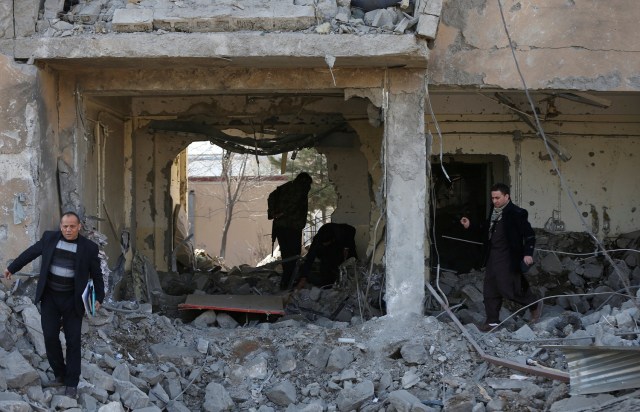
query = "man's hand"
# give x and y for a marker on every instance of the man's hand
(97, 305)
(464, 221)
(7, 274)
(528, 260)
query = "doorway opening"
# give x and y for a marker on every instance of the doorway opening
(462, 191)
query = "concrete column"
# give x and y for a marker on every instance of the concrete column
(406, 187)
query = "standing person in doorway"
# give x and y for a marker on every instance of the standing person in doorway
(288, 205)
(509, 243)
(68, 261)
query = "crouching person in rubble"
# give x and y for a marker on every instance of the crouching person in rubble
(333, 244)
(68, 260)
(509, 244)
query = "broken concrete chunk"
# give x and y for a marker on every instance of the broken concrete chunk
(16, 370)
(130, 395)
(286, 359)
(433, 7)
(525, 333)
(428, 26)
(404, 401)
(352, 398)
(205, 320)
(61, 402)
(384, 18)
(121, 372)
(202, 346)
(31, 318)
(591, 271)
(176, 354)
(326, 9)
(225, 321)
(414, 353)
(25, 14)
(132, 20)
(409, 379)
(90, 12)
(282, 394)
(576, 280)
(318, 356)
(343, 15)
(551, 264)
(112, 407)
(472, 293)
(217, 399)
(339, 359)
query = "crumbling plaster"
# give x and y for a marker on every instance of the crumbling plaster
(154, 155)
(602, 172)
(560, 44)
(21, 120)
(347, 169)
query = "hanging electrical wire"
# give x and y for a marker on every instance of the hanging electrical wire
(541, 133)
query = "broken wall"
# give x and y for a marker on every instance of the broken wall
(582, 45)
(19, 141)
(590, 174)
(600, 147)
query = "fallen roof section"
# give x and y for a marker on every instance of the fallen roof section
(269, 305)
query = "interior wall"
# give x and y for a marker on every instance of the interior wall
(602, 172)
(153, 157)
(105, 176)
(347, 168)
(249, 237)
(370, 138)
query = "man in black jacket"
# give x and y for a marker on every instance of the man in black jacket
(68, 261)
(509, 243)
(288, 205)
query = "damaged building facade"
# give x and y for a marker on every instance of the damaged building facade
(418, 109)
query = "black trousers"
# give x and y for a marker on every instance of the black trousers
(502, 284)
(290, 241)
(58, 308)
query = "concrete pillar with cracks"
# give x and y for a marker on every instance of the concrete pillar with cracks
(406, 183)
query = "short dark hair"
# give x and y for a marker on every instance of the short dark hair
(304, 177)
(70, 213)
(502, 188)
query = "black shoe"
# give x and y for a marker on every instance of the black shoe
(71, 391)
(486, 327)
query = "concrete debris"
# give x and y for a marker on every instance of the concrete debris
(333, 350)
(324, 16)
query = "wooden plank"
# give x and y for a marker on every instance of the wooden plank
(271, 305)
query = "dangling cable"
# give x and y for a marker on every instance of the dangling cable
(563, 183)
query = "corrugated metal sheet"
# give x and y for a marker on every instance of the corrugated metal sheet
(597, 369)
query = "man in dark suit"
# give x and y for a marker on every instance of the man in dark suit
(68, 261)
(509, 243)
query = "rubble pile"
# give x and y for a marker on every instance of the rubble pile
(161, 16)
(332, 351)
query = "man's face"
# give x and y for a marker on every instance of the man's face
(70, 227)
(499, 199)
